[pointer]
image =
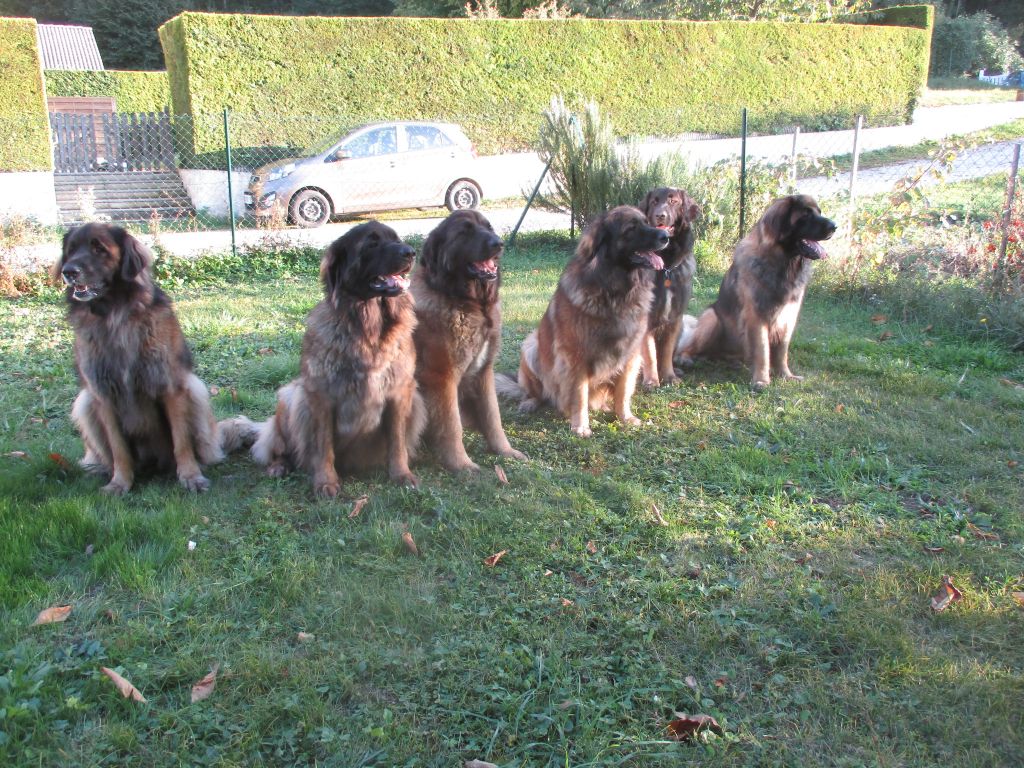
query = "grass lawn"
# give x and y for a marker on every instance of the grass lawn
(942, 91)
(788, 595)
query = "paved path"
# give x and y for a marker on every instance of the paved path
(510, 175)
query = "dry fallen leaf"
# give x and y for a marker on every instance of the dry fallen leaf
(702, 445)
(946, 595)
(886, 335)
(16, 455)
(1019, 597)
(771, 523)
(879, 319)
(492, 561)
(548, 572)
(60, 461)
(52, 615)
(127, 690)
(677, 404)
(592, 547)
(720, 682)
(1011, 383)
(840, 407)
(980, 534)
(658, 517)
(502, 477)
(933, 550)
(357, 506)
(806, 556)
(410, 543)
(305, 637)
(214, 391)
(566, 602)
(691, 681)
(685, 727)
(264, 351)
(928, 328)
(204, 687)
(1012, 463)
(234, 395)
(478, 764)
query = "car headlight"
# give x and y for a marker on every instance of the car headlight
(282, 172)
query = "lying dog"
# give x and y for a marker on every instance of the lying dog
(355, 403)
(759, 301)
(458, 335)
(673, 211)
(587, 347)
(141, 409)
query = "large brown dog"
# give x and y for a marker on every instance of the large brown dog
(141, 409)
(355, 402)
(759, 301)
(458, 335)
(675, 212)
(587, 346)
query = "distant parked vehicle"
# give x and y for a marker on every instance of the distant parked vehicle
(378, 167)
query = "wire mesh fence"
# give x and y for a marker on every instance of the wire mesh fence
(193, 180)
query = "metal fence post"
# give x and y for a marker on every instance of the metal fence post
(793, 172)
(1011, 190)
(743, 176)
(231, 196)
(536, 189)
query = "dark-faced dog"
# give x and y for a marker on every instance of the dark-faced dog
(458, 335)
(355, 403)
(141, 409)
(759, 301)
(587, 347)
(674, 211)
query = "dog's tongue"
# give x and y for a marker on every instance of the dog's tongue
(653, 260)
(811, 249)
(490, 265)
(396, 282)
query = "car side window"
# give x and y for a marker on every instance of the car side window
(426, 137)
(380, 141)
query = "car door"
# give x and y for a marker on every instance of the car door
(364, 171)
(432, 161)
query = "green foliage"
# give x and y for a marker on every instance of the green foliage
(24, 126)
(132, 91)
(966, 44)
(496, 77)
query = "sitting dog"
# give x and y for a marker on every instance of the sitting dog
(355, 403)
(759, 301)
(673, 211)
(141, 409)
(458, 335)
(587, 347)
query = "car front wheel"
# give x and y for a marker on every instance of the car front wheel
(310, 208)
(462, 195)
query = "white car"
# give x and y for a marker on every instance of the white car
(378, 167)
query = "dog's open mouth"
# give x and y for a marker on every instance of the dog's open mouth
(648, 259)
(485, 270)
(391, 285)
(668, 229)
(81, 291)
(810, 249)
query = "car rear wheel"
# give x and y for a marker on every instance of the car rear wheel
(462, 195)
(310, 208)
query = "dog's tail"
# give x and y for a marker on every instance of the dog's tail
(689, 328)
(237, 433)
(508, 387)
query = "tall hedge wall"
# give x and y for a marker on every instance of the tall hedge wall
(495, 76)
(24, 126)
(919, 16)
(133, 91)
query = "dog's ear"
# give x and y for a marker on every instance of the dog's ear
(331, 265)
(55, 274)
(430, 255)
(645, 204)
(691, 211)
(135, 257)
(595, 237)
(775, 224)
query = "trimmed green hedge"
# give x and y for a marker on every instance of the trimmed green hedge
(920, 16)
(133, 91)
(24, 126)
(496, 76)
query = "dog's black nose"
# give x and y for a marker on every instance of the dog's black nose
(830, 227)
(662, 237)
(495, 243)
(70, 272)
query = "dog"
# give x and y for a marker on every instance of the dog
(675, 212)
(141, 408)
(355, 402)
(458, 335)
(759, 301)
(587, 346)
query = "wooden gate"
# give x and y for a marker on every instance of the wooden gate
(112, 142)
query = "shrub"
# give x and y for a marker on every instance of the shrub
(967, 44)
(132, 91)
(24, 126)
(496, 76)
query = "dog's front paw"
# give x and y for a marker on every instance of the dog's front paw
(631, 421)
(758, 385)
(117, 487)
(327, 490)
(582, 431)
(669, 381)
(408, 479)
(512, 453)
(462, 465)
(790, 376)
(277, 469)
(195, 483)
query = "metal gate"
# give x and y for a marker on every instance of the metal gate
(112, 142)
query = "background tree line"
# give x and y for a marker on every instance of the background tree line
(969, 34)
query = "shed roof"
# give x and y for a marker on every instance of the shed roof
(64, 46)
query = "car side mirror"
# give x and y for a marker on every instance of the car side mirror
(341, 154)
